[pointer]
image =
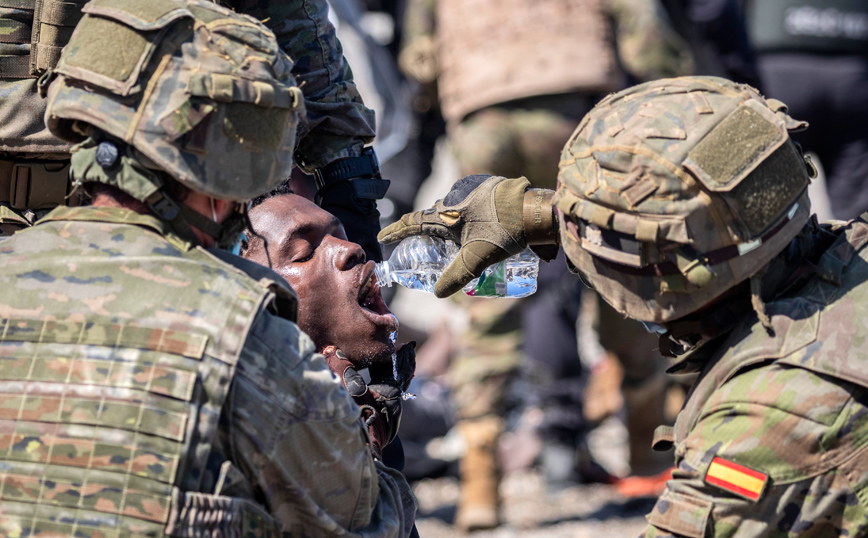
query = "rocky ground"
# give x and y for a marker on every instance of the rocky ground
(594, 511)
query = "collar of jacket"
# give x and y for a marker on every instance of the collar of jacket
(117, 215)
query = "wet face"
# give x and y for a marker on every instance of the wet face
(339, 302)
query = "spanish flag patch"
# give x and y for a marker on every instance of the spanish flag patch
(736, 479)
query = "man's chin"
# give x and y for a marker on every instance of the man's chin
(368, 353)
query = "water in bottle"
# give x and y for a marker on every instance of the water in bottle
(418, 261)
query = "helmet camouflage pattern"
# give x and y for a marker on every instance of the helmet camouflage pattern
(201, 92)
(676, 190)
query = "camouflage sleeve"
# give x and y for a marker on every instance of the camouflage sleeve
(648, 46)
(778, 452)
(296, 434)
(338, 123)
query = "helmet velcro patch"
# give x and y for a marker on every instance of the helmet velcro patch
(735, 147)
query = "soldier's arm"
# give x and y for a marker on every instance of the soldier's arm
(338, 123)
(778, 452)
(296, 434)
(648, 46)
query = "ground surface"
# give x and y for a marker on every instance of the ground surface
(594, 511)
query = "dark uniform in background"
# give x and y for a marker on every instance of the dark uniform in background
(813, 55)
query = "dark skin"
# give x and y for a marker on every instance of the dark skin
(339, 304)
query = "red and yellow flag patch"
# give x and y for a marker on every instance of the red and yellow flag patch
(736, 479)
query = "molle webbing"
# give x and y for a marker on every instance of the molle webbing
(44, 25)
(95, 425)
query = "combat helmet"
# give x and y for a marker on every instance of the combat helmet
(676, 190)
(182, 86)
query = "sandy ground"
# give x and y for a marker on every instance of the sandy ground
(593, 511)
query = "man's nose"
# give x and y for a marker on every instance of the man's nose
(349, 255)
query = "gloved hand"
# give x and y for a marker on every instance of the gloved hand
(490, 217)
(380, 401)
(359, 216)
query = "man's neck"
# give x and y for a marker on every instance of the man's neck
(197, 202)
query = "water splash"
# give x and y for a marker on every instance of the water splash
(404, 395)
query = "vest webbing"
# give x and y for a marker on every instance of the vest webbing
(40, 28)
(107, 422)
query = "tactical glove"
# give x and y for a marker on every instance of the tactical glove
(380, 401)
(491, 218)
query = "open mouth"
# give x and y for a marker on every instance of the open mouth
(370, 298)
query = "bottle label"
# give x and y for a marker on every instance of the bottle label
(492, 283)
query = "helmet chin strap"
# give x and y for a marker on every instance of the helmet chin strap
(213, 210)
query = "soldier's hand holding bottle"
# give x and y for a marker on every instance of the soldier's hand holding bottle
(491, 218)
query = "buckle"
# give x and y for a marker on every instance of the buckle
(38, 185)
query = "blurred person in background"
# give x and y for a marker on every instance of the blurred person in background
(813, 55)
(497, 69)
(685, 204)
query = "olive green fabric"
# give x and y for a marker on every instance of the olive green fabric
(790, 405)
(112, 395)
(676, 190)
(129, 71)
(104, 35)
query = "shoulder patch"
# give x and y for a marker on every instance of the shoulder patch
(736, 479)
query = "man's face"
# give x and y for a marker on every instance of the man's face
(339, 302)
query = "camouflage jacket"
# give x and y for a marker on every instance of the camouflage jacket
(151, 387)
(338, 124)
(773, 440)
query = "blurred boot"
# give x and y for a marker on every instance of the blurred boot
(645, 404)
(480, 478)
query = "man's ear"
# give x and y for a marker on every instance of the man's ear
(223, 208)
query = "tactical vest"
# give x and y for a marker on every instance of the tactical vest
(494, 51)
(32, 34)
(117, 350)
(819, 26)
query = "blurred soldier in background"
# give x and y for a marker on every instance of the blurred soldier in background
(34, 164)
(162, 386)
(718, 36)
(684, 203)
(813, 55)
(510, 103)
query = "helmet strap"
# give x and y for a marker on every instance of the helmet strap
(181, 217)
(756, 301)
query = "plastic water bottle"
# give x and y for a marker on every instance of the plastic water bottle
(418, 261)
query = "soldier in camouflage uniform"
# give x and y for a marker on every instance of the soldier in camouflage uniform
(510, 104)
(331, 138)
(153, 385)
(683, 202)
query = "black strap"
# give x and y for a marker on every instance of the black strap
(364, 171)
